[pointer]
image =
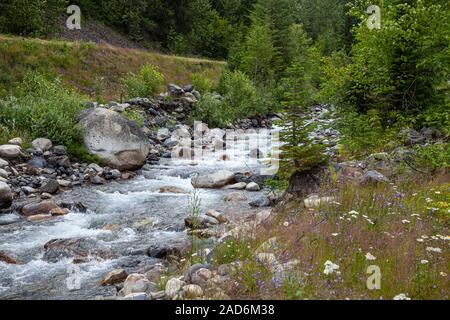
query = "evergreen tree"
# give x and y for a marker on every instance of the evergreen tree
(259, 53)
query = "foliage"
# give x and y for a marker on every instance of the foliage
(135, 115)
(213, 110)
(30, 17)
(363, 134)
(201, 83)
(44, 109)
(399, 68)
(433, 157)
(298, 152)
(145, 84)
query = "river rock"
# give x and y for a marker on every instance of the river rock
(373, 176)
(192, 291)
(42, 144)
(252, 186)
(43, 207)
(3, 163)
(237, 186)
(37, 162)
(235, 197)
(163, 251)
(201, 277)
(60, 150)
(215, 180)
(136, 283)
(56, 212)
(51, 187)
(171, 189)
(119, 142)
(39, 217)
(97, 180)
(6, 258)
(16, 141)
(113, 277)
(112, 174)
(217, 215)
(4, 173)
(261, 201)
(77, 248)
(10, 151)
(173, 287)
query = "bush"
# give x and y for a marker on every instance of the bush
(434, 157)
(144, 84)
(241, 94)
(201, 83)
(214, 111)
(43, 108)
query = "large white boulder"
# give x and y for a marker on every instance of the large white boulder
(119, 142)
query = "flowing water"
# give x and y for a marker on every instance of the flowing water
(123, 218)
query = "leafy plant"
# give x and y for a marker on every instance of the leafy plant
(144, 84)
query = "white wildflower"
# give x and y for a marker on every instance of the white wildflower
(406, 221)
(330, 267)
(401, 296)
(369, 256)
(443, 274)
(423, 261)
(431, 249)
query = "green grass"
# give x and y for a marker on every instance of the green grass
(94, 70)
(385, 221)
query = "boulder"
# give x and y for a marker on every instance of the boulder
(261, 201)
(4, 173)
(235, 197)
(173, 287)
(136, 283)
(216, 180)
(43, 207)
(6, 196)
(16, 141)
(373, 176)
(201, 277)
(217, 215)
(113, 277)
(3, 163)
(37, 162)
(192, 291)
(10, 151)
(42, 144)
(252, 186)
(51, 187)
(119, 142)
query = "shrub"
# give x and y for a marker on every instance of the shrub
(43, 108)
(201, 83)
(241, 94)
(214, 111)
(144, 84)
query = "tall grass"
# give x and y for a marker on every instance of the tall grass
(404, 226)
